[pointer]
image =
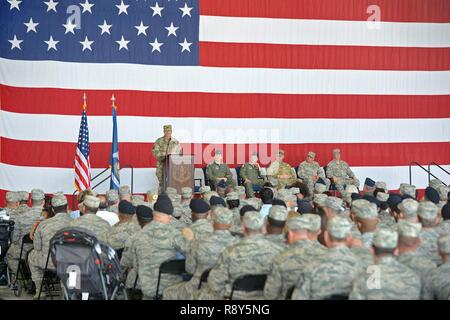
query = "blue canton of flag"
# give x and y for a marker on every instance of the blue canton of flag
(114, 160)
(152, 32)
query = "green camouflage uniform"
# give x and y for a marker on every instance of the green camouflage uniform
(13, 214)
(428, 244)
(419, 264)
(306, 170)
(437, 283)
(341, 170)
(93, 223)
(215, 171)
(161, 149)
(252, 173)
(277, 168)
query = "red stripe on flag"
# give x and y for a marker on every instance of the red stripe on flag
(253, 55)
(59, 154)
(398, 10)
(222, 105)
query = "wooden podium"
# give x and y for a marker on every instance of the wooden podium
(179, 172)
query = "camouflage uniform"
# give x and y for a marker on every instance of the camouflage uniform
(155, 244)
(437, 283)
(252, 173)
(215, 171)
(93, 223)
(277, 168)
(201, 228)
(41, 243)
(443, 228)
(23, 224)
(129, 260)
(306, 170)
(428, 246)
(203, 256)
(289, 265)
(333, 275)
(161, 149)
(14, 214)
(342, 171)
(253, 255)
(120, 232)
(419, 264)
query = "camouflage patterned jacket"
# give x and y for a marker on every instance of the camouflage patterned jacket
(162, 147)
(339, 169)
(120, 233)
(437, 284)
(388, 279)
(93, 223)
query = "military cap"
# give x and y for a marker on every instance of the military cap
(124, 190)
(435, 183)
(369, 182)
(320, 188)
(432, 195)
(23, 195)
(295, 191)
(355, 196)
(339, 228)
(167, 127)
(232, 196)
(175, 198)
(351, 189)
(278, 213)
(382, 197)
(372, 199)
(152, 195)
(408, 189)
(240, 190)
(58, 200)
(444, 244)
(59, 193)
(280, 152)
(223, 216)
(170, 190)
(381, 185)
(304, 206)
(394, 200)
(358, 204)
(253, 220)
(199, 206)
(254, 202)
(311, 154)
(204, 189)
(177, 211)
(336, 151)
(409, 229)
(208, 195)
(217, 151)
(12, 196)
(335, 204)
(367, 211)
(144, 213)
(91, 202)
(446, 211)
(217, 201)
(308, 221)
(320, 199)
(385, 238)
(427, 210)
(37, 194)
(112, 195)
(409, 208)
(443, 192)
(278, 202)
(186, 192)
(137, 199)
(246, 209)
(163, 205)
(126, 207)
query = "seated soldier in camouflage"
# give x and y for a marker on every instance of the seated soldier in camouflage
(310, 171)
(280, 173)
(218, 171)
(437, 284)
(339, 172)
(250, 173)
(204, 255)
(12, 202)
(125, 228)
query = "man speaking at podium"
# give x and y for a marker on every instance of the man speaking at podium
(163, 147)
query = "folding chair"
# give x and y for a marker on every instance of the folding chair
(203, 278)
(289, 293)
(249, 283)
(174, 267)
(23, 273)
(49, 282)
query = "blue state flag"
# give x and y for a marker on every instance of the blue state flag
(114, 160)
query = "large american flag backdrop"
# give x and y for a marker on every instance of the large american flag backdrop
(301, 74)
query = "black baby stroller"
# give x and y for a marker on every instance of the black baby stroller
(87, 267)
(6, 229)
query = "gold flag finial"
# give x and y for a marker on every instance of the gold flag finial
(113, 99)
(84, 101)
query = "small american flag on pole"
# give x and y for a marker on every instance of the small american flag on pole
(82, 163)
